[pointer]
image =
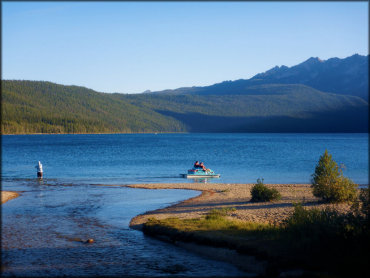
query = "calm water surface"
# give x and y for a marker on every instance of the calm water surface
(44, 229)
(148, 158)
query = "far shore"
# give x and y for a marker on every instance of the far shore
(99, 133)
(219, 195)
(7, 196)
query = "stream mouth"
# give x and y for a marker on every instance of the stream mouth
(56, 229)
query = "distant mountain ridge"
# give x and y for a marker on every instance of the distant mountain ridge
(348, 76)
(267, 102)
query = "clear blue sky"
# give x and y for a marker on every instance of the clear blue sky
(130, 47)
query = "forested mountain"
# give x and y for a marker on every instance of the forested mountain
(44, 107)
(347, 76)
(314, 96)
(263, 108)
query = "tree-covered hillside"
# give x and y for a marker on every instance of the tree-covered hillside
(264, 108)
(44, 107)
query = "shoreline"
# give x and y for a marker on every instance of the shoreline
(101, 133)
(8, 195)
(178, 132)
(221, 195)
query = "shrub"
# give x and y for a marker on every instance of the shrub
(329, 183)
(334, 240)
(318, 226)
(314, 223)
(261, 193)
(361, 206)
(360, 212)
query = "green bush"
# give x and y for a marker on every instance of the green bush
(327, 226)
(329, 183)
(361, 206)
(261, 193)
(360, 212)
(336, 241)
(315, 223)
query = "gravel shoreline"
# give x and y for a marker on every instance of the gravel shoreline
(218, 195)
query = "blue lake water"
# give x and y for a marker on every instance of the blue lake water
(42, 230)
(150, 158)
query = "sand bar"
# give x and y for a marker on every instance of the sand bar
(218, 195)
(8, 195)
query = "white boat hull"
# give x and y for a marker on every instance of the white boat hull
(200, 176)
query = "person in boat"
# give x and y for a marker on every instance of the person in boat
(197, 165)
(202, 166)
(39, 170)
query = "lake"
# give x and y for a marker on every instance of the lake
(151, 158)
(43, 230)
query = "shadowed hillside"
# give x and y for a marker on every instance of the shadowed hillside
(264, 108)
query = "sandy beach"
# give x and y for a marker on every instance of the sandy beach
(8, 195)
(217, 195)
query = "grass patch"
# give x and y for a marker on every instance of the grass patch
(215, 229)
(219, 213)
(213, 225)
(214, 221)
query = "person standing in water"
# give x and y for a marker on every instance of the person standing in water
(39, 170)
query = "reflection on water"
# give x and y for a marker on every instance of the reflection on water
(202, 180)
(44, 233)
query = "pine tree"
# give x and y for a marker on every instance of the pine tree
(329, 183)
